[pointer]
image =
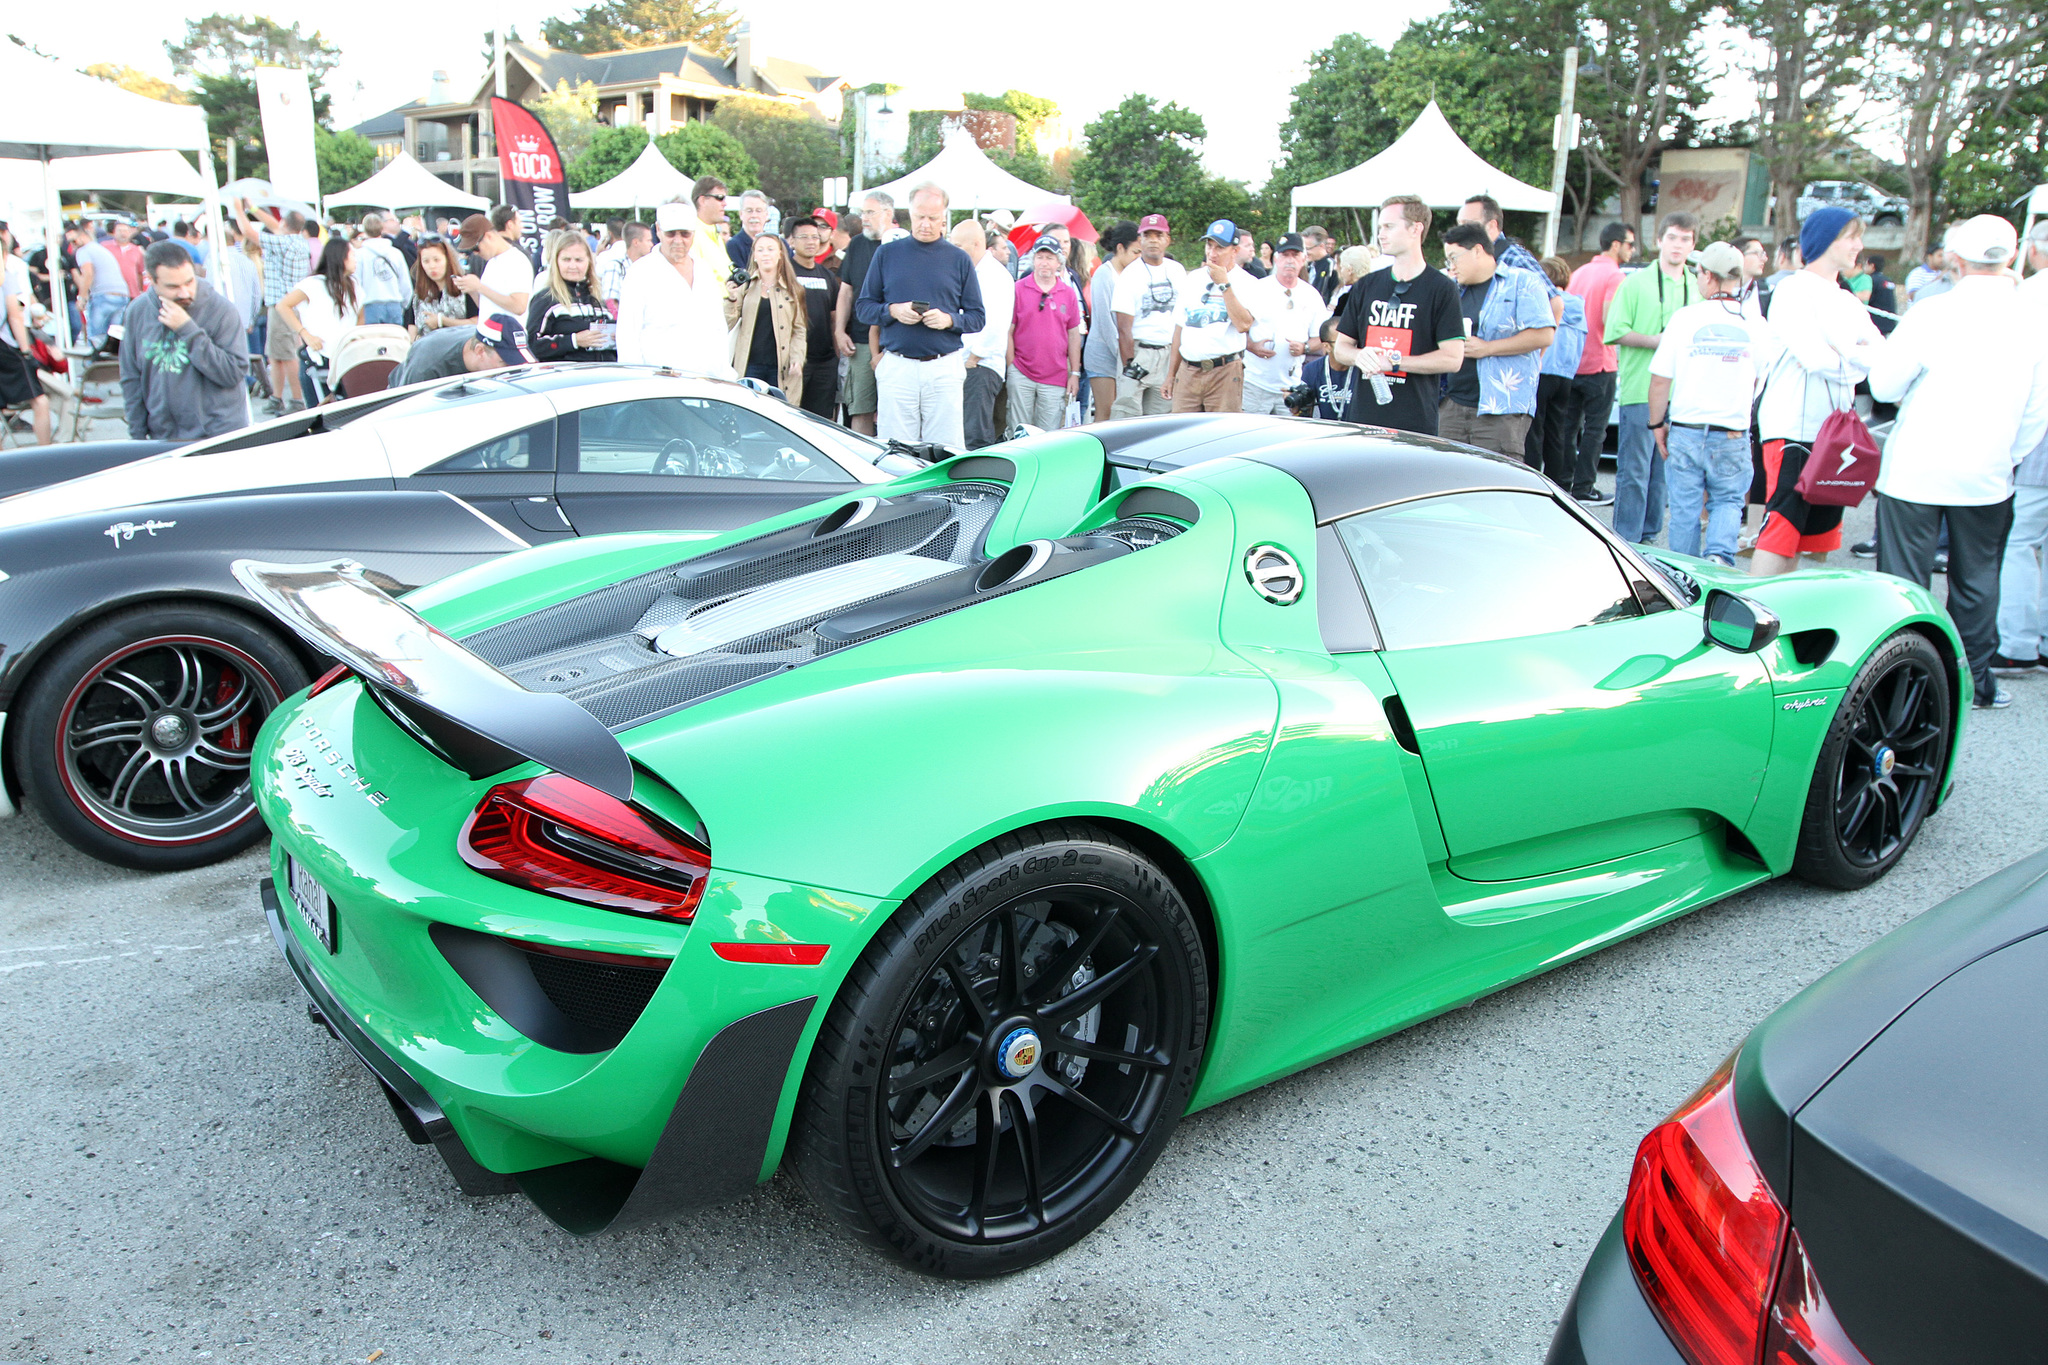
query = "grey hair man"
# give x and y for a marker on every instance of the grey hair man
(985, 351)
(2023, 582)
(754, 206)
(921, 293)
(877, 226)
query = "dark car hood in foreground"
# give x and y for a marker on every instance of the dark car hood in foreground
(1899, 1106)
(31, 467)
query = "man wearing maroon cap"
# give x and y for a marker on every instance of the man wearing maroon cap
(1143, 305)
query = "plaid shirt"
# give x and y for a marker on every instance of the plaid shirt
(1515, 256)
(285, 263)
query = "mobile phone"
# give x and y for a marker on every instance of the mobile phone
(920, 308)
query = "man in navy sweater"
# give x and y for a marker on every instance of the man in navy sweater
(922, 292)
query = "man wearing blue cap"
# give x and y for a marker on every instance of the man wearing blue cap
(1205, 363)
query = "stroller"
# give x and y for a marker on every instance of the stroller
(361, 362)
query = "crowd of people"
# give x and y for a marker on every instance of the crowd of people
(1721, 370)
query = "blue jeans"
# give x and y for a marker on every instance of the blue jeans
(101, 312)
(1713, 466)
(1638, 479)
(2023, 582)
(385, 314)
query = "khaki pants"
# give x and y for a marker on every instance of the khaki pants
(1503, 433)
(1220, 389)
(1140, 397)
(860, 379)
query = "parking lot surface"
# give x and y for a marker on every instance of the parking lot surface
(196, 1172)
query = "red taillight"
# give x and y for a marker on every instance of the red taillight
(1804, 1330)
(1703, 1230)
(327, 680)
(555, 835)
(773, 954)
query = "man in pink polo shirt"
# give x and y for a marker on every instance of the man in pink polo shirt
(1592, 392)
(1045, 341)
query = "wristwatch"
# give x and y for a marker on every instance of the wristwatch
(1226, 286)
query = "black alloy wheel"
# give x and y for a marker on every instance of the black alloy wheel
(1881, 766)
(1010, 1055)
(137, 734)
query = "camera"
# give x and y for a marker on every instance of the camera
(1301, 400)
(1133, 370)
(740, 275)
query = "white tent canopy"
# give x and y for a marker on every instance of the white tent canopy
(1429, 160)
(163, 173)
(52, 113)
(649, 181)
(970, 179)
(405, 184)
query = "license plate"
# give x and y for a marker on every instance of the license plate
(315, 906)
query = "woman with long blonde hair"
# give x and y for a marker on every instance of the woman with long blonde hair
(565, 320)
(767, 315)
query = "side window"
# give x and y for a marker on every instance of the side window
(697, 438)
(529, 451)
(1482, 566)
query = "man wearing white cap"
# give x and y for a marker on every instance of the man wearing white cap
(672, 304)
(2023, 584)
(1969, 370)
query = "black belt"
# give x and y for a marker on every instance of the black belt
(1701, 426)
(900, 356)
(1216, 364)
(1150, 345)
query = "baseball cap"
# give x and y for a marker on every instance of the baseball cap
(1153, 222)
(472, 231)
(1290, 241)
(1986, 239)
(2039, 236)
(1222, 231)
(827, 217)
(674, 218)
(1719, 257)
(1048, 243)
(506, 336)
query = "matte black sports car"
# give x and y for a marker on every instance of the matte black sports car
(134, 672)
(1865, 1182)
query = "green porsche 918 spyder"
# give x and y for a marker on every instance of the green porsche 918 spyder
(953, 840)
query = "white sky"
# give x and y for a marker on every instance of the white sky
(1213, 57)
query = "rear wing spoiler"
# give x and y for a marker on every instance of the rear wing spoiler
(480, 720)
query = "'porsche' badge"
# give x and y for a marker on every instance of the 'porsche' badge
(1018, 1054)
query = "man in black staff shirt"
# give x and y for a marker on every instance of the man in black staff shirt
(826, 339)
(1402, 324)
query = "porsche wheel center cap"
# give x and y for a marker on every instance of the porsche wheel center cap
(170, 731)
(1018, 1053)
(1886, 761)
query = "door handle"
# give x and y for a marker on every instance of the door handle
(1398, 722)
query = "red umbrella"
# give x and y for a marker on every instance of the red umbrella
(1068, 215)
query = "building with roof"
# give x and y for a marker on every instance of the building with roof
(659, 88)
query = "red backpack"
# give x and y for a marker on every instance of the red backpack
(1842, 468)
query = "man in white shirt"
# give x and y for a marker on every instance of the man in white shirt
(1969, 371)
(1143, 308)
(1709, 367)
(672, 304)
(2023, 582)
(507, 280)
(18, 379)
(1205, 360)
(984, 349)
(1290, 314)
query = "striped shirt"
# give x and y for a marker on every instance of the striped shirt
(285, 263)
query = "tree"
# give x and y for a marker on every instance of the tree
(703, 149)
(1336, 118)
(1143, 158)
(344, 159)
(570, 114)
(233, 119)
(1032, 113)
(1650, 63)
(1951, 66)
(2001, 158)
(235, 45)
(611, 150)
(612, 24)
(794, 148)
(1809, 72)
(139, 82)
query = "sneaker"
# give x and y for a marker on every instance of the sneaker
(1596, 498)
(1864, 549)
(1941, 563)
(2003, 667)
(1997, 699)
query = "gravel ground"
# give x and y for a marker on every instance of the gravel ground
(197, 1173)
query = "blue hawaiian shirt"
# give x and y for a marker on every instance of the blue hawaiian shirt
(1517, 302)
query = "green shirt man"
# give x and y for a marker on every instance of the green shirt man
(1643, 305)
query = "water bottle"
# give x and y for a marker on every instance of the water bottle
(1382, 391)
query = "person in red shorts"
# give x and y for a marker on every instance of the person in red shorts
(1828, 341)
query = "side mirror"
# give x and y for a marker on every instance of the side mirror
(1737, 623)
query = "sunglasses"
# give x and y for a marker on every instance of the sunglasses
(719, 197)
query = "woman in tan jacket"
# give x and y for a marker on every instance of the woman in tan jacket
(766, 314)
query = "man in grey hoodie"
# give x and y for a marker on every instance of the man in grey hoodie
(183, 361)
